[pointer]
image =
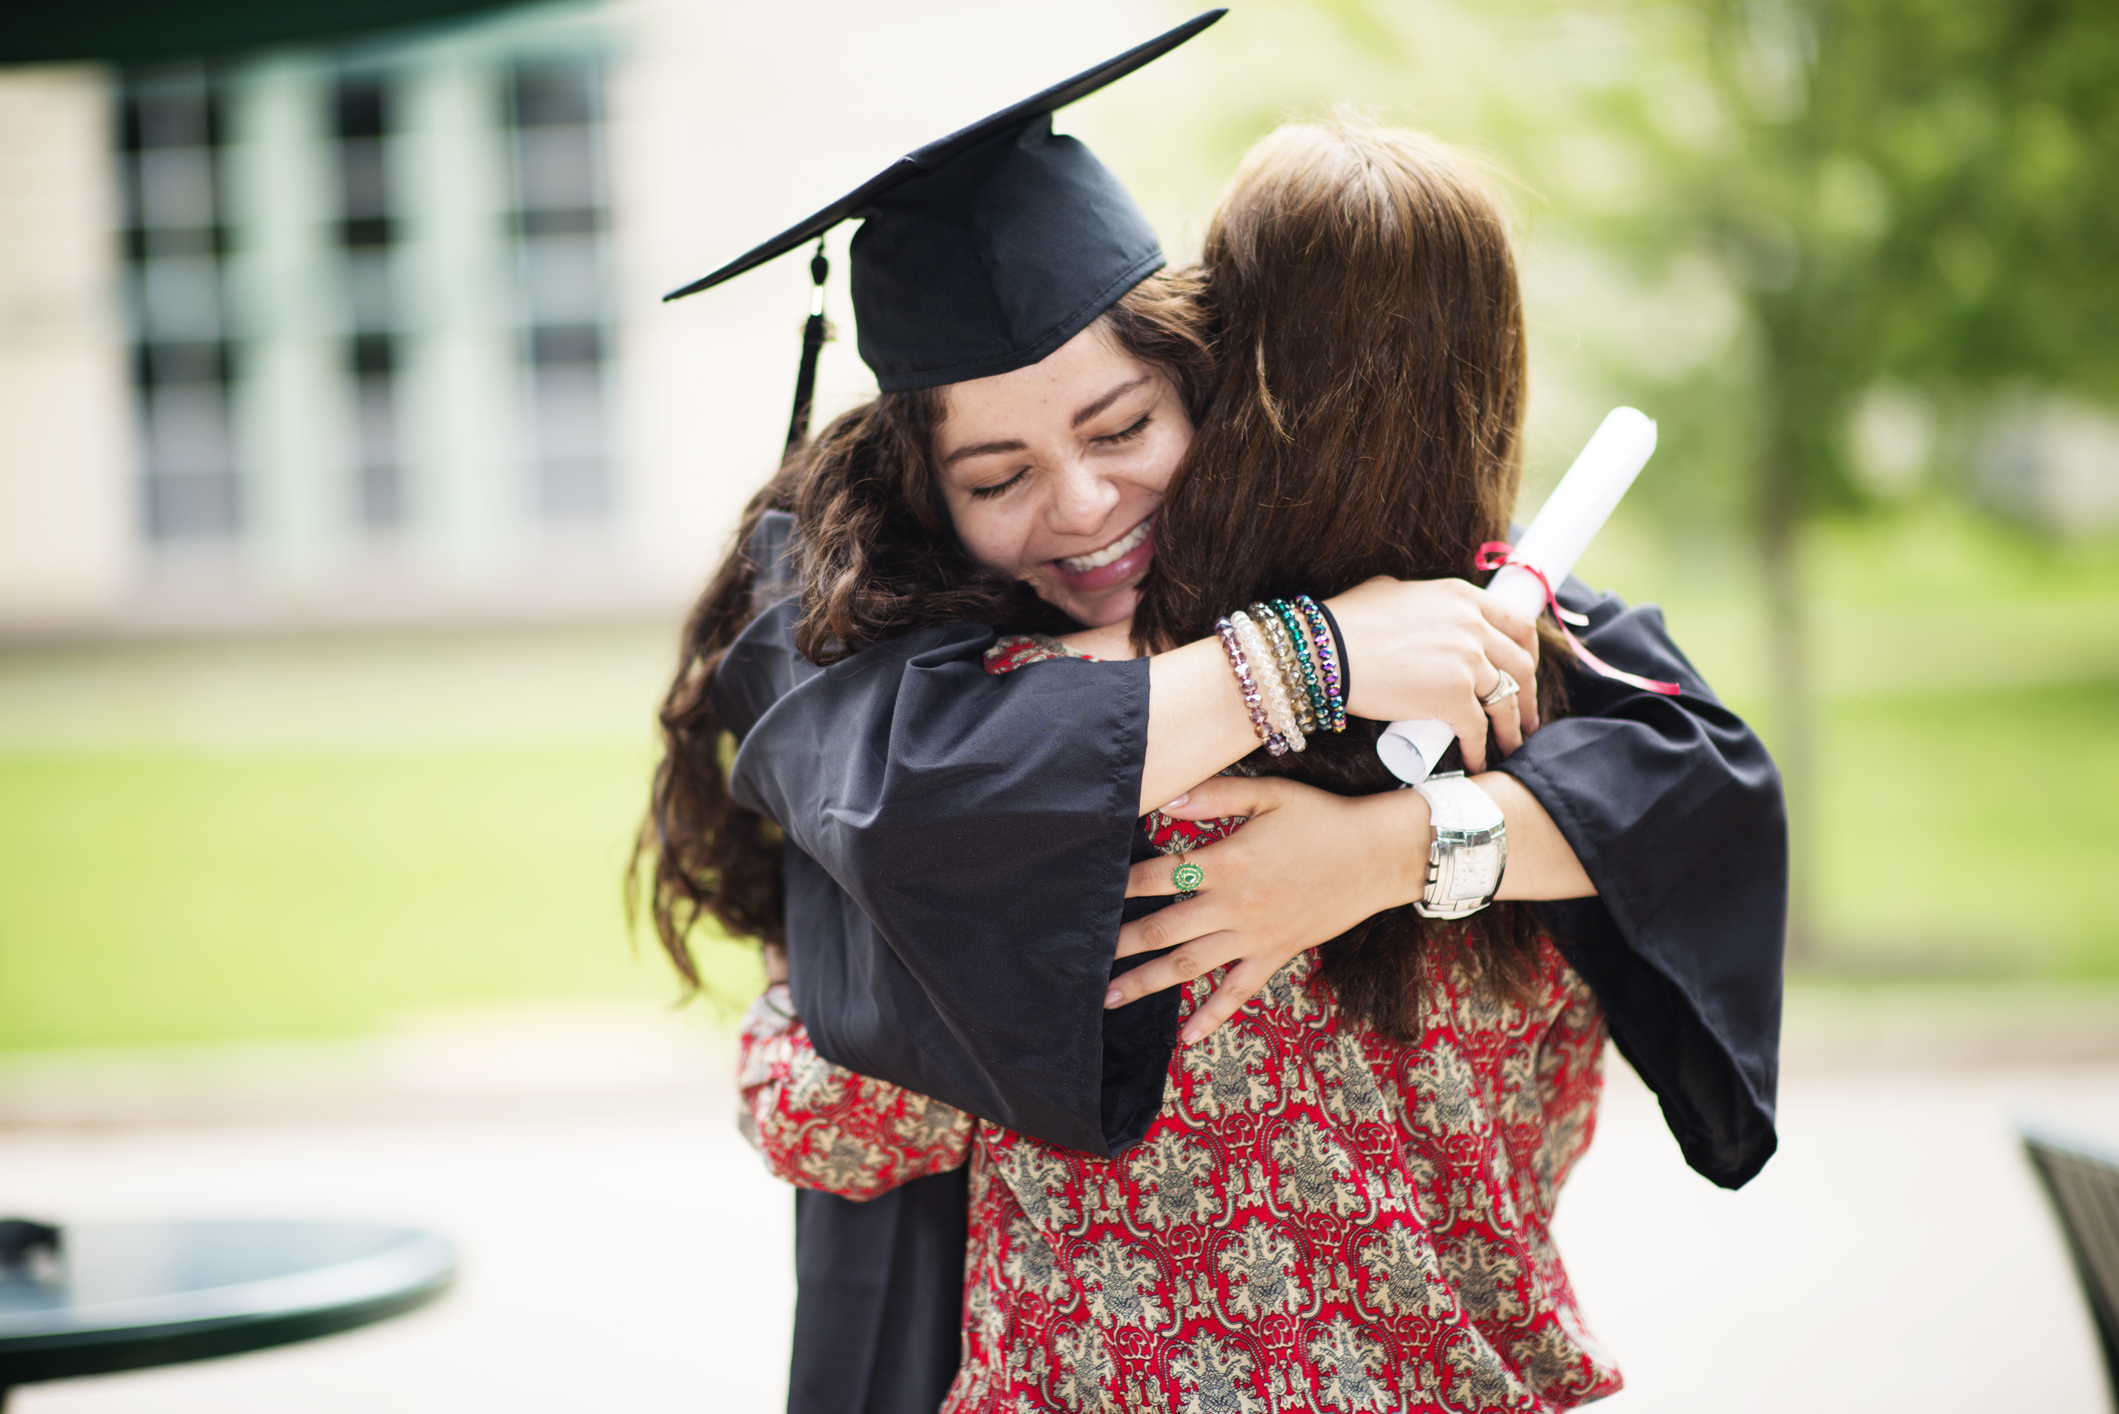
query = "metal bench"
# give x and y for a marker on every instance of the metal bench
(2084, 1187)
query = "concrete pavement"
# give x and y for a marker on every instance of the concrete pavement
(624, 1252)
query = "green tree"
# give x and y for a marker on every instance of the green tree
(1917, 191)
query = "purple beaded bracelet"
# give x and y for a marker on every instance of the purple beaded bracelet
(1248, 686)
(1327, 658)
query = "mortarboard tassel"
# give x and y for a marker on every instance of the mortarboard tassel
(814, 333)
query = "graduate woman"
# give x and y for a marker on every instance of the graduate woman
(956, 844)
(1345, 1198)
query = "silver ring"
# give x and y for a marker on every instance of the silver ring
(1503, 690)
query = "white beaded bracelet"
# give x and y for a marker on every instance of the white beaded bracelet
(1272, 683)
(1283, 647)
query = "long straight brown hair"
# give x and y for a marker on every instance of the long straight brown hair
(1367, 420)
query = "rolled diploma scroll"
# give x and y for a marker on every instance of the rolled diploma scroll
(1569, 520)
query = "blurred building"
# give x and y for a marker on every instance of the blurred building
(370, 332)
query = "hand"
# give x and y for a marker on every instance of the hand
(1435, 648)
(1261, 903)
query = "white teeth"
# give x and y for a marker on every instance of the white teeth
(1096, 559)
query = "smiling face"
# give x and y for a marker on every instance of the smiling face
(1053, 473)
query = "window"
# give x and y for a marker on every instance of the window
(555, 119)
(172, 136)
(362, 114)
(311, 360)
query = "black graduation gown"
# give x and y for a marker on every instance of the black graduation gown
(957, 851)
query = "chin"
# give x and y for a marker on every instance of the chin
(1099, 609)
(1113, 606)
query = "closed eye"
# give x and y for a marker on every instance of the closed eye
(1129, 433)
(981, 493)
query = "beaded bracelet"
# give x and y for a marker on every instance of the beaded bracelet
(1286, 692)
(1276, 636)
(1331, 668)
(1327, 658)
(1280, 713)
(1240, 665)
(1272, 684)
(1298, 636)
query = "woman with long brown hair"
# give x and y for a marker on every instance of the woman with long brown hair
(1382, 1134)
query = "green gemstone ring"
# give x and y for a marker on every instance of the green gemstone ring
(1187, 876)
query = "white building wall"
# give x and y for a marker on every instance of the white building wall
(67, 543)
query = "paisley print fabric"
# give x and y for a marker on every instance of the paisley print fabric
(822, 1127)
(1018, 650)
(1317, 1219)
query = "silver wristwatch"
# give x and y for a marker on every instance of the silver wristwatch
(1469, 851)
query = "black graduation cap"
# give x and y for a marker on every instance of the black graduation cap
(983, 252)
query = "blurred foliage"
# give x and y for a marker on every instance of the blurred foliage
(1788, 201)
(1909, 190)
(1906, 191)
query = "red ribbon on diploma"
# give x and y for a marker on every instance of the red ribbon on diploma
(1496, 553)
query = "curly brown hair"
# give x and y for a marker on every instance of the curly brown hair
(879, 557)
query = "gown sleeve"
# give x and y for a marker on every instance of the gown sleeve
(957, 846)
(820, 1126)
(1675, 811)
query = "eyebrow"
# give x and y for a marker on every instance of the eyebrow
(1106, 400)
(980, 449)
(1082, 415)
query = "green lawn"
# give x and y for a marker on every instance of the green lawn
(163, 897)
(1974, 831)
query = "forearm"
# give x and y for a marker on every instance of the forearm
(1197, 722)
(1385, 838)
(1541, 863)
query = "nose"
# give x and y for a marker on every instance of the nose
(1082, 501)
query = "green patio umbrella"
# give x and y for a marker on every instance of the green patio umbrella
(143, 31)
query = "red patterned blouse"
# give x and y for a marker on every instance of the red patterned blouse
(1318, 1218)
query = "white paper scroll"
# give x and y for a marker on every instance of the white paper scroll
(1569, 520)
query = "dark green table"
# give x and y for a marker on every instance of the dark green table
(122, 1296)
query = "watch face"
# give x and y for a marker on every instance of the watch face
(1475, 872)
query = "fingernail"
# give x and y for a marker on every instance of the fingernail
(1113, 997)
(1179, 801)
(1188, 1035)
